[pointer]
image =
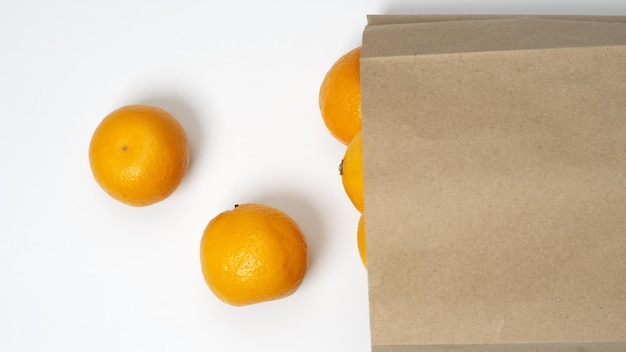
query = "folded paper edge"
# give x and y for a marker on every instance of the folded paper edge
(493, 33)
(382, 19)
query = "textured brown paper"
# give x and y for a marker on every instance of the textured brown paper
(494, 152)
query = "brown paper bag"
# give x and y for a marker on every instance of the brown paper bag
(494, 151)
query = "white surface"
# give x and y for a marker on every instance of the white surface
(81, 272)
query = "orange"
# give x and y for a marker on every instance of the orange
(340, 97)
(360, 238)
(253, 253)
(352, 172)
(139, 154)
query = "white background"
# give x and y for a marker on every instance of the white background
(82, 272)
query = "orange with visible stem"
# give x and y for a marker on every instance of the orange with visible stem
(253, 253)
(352, 172)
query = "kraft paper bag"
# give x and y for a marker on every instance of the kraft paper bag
(494, 151)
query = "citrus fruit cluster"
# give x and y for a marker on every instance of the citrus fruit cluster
(139, 154)
(340, 106)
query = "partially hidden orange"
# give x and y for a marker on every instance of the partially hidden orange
(352, 172)
(253, 253)
(361, 243)
(139, 154)
(340, 97)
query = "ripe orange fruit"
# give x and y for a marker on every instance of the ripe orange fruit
(340, 97)
(360, 238)
(253, 253)
(352, 172)
(139, 154)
